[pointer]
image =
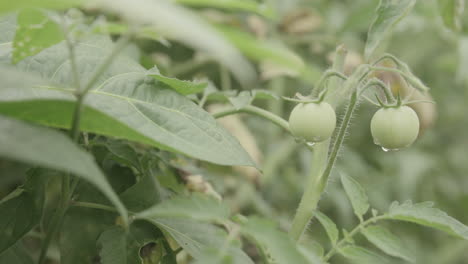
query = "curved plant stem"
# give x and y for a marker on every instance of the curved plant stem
(250, 109)
(353, 232)
(316, 186)
(95, 206)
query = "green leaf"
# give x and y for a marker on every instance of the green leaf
(387, 242)
(462, 59)
(329, 225)
(182, 87)
(36, 31)
(22, 209)
(196, 237)
(361, 255)
(8, 6)
(125, 103)
(141, 196)
(277, 244)
(425, 214)
(197, 207)
(119, 247)
(389, 13)
(262, 50)
(171, 20)
(45, 147)
(451, 12)
(16, 254)
(243, 5)
(356, 194)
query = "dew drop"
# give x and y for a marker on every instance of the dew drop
(388, 150)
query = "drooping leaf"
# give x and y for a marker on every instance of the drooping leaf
(22, 209)
(196, 237)
(277, 244)
(16, 254)
(244, 5)
(361, 255)
(182, 87)
(425, 214)
(36, 31)
(451, 12)
(51, 149)
(262, 50)
(196, 206)
(387, 242)
(125, 103)
(8, 6)
(356, 195)
(328, 225)
(171, 20)
(389, 13)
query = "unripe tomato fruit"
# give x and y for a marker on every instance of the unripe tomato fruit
(395, 128)
(313, 122)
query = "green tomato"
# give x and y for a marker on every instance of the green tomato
(313, 122)
(395, 128)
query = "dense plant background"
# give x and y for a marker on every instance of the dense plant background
(153, 177)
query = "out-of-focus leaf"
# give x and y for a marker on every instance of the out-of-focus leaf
(125, 103)
(196, 237)
(244, 5)
(197, 206)
(171, 21)
(361, 255)
(51, 149)
(328, 225)
(277, 244)
(16, 254)
(356, 194)
(462, 59)
(451, 12)
(425, 214)
(389, 13)
(387, 242)
(21, 210)
(36, 31)
(8, 6)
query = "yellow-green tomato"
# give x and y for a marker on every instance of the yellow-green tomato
(395, 128)
(313, 122)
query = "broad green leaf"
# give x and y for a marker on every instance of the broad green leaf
(141, 196)
(36, 31)
(361, 255)
(196, 237)
(425, 214)
(262, 50)
(171, 20)
(243, 5)
(329, 226)
(276, 243)
(451, 12)
(21, 210)
(387, 242)
(125, 103)
(46, 147)
(356, 194)
(8, 6)
(119, 247)
(182, 87)
(16, 254)
(389, 13)
(196, 206)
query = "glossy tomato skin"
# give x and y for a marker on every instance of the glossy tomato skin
(395, 128)
(313, 122)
